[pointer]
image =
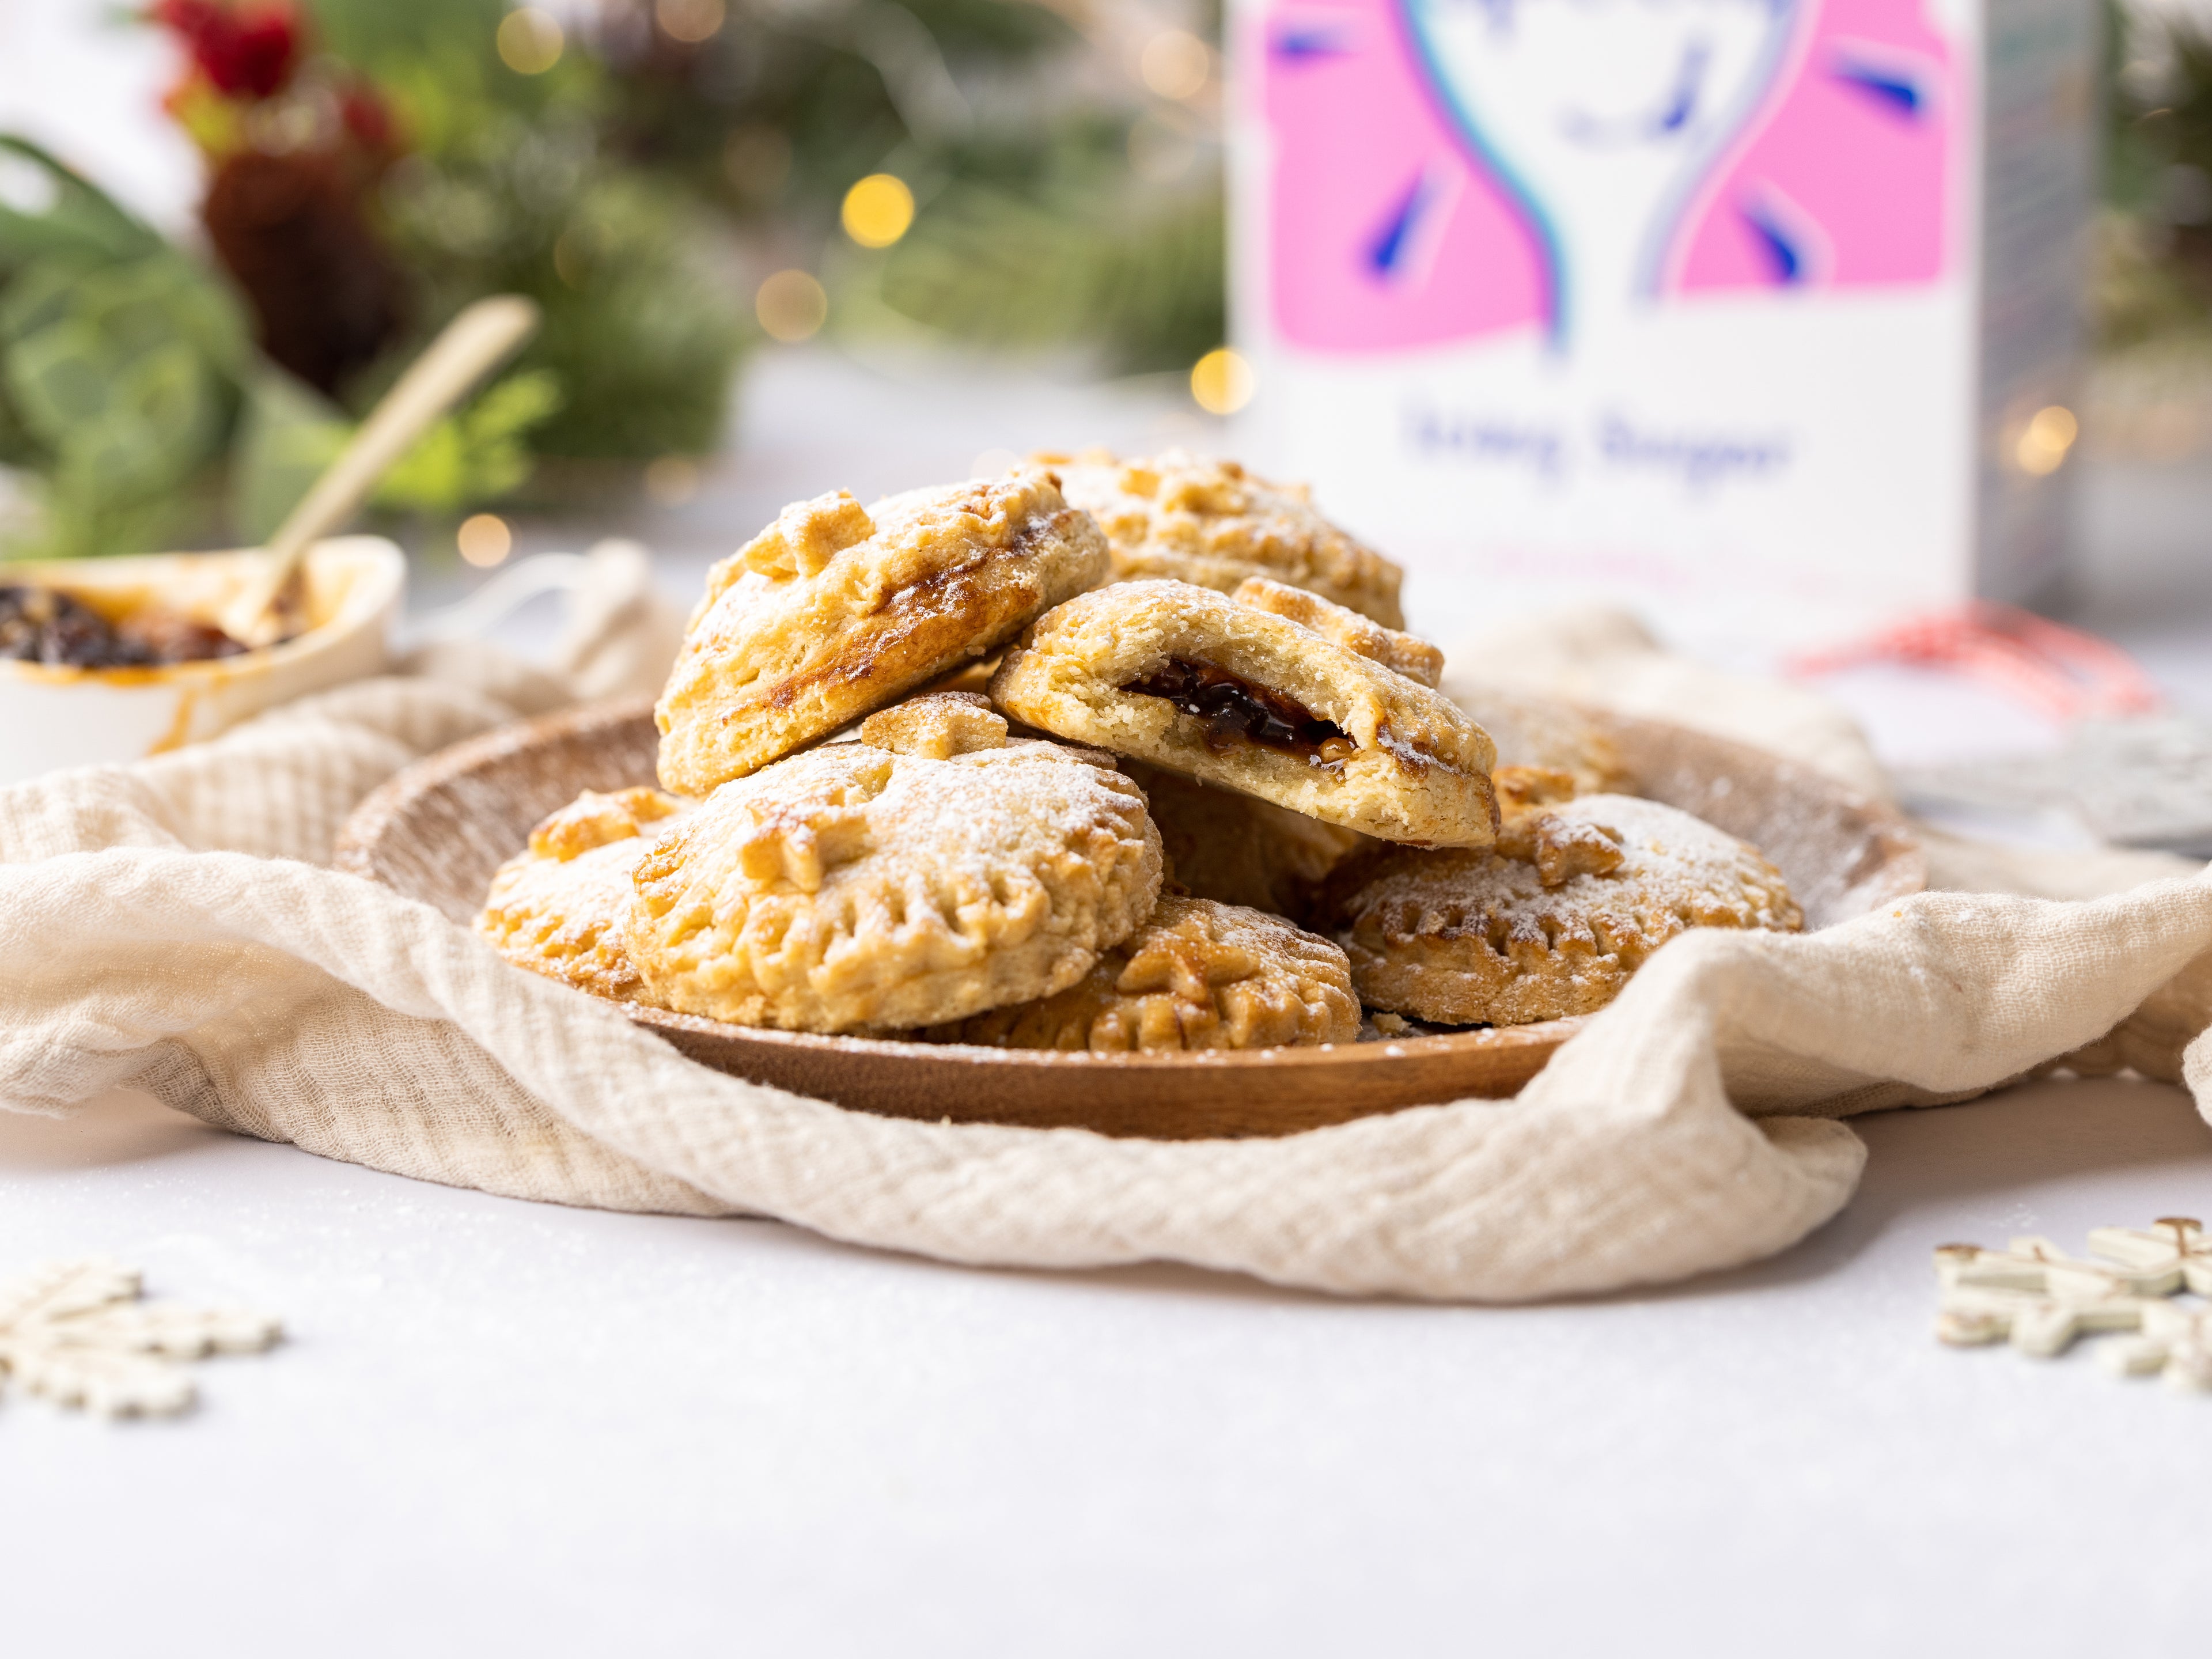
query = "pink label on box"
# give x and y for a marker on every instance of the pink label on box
(1447, 168)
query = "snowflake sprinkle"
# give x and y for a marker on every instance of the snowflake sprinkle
(2043, 1299)
(76, 1333)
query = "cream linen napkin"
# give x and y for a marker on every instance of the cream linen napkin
(168, 926)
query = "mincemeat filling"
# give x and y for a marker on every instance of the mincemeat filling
(45, 625)
(1235, 711)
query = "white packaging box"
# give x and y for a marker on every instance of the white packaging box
(1761, 316)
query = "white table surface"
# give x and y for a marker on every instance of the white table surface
(501, 1427)
(504, 1427)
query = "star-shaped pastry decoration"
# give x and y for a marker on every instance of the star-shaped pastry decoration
(2042, 1299)
(76, 1333)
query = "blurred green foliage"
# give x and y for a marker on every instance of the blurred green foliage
(1034, 229)
(511, 186)
(637, 188)
(1068, 256)
(290, 433)
(2154, 277)
(777, 112)
(119, 360)
(131, 395)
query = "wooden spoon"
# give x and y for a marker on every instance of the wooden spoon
(471, 347)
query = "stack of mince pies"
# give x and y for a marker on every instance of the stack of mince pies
(1107, 755)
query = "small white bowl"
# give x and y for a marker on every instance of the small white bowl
(53, 716)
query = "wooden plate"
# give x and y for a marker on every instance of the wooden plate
(438, 830)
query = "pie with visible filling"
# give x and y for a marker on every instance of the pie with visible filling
(1187, 679)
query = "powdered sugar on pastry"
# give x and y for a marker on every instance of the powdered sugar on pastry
(937, 727)
(1416, 658)
(1198, 974)
(594, 819)
(835, 612)
(1465, 938)
(557, 908)
(853, 889)
(1214, 523)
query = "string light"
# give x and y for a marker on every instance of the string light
(2045, 439)
(484, 540)
(879, 210)
(1175, 64)
(1221, 381)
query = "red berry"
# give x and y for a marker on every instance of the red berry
(247, 51)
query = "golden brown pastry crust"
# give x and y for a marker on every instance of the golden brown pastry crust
(596, 818)
(1416, 658)
(833, 612)
(1198, 974)
(1404, 763)
(937, 726)
(1226, 846)
(557, 908)
(851, 889)
(1561, 847)
(1466, 939)
(1214, 523)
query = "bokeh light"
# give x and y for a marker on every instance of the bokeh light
(792, 307)
(689, 20)
(1221, 381)
(530, 41)
(484, 540)
(2044, 441)
(1175, 64)
(879, 210)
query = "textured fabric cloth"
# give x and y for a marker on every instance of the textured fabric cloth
(168, 926)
